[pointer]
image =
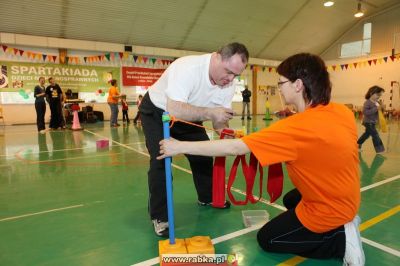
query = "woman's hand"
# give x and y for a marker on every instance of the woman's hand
(169, 147)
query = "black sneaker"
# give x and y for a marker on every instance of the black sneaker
(161, 228)
(227, 204)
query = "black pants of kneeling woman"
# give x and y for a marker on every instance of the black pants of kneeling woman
(286, 234)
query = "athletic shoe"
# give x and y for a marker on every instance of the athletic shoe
(161, 228)
(354, 254)
(227, 204)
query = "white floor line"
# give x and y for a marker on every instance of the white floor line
(38, 213)
(380, 183)
(381, 247)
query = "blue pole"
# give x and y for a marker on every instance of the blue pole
(168, 175)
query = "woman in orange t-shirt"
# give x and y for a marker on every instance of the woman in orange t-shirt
(112, 100)
(319, 148)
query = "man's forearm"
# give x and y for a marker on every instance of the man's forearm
(188, 112)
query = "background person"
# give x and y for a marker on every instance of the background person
(54, 96)
(40, 104)
(370, 118)
(246, 94)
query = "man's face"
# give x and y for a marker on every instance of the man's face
(226, 70)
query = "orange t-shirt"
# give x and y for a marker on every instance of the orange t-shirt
(113, 91)
(319, 147)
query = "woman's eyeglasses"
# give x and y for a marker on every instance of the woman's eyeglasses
(280, 83)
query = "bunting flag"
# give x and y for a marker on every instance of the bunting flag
(4, 48)
(107, 56)
(153, 60)
(121, 55)
(44, 56)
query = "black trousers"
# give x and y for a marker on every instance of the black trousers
(370, 130)
(201, 166)
(56, 118)
(125, 116)
(286, 234)
(40, 112)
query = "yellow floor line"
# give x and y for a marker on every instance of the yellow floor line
(297, 260)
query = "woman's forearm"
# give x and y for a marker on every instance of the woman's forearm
(224, 147)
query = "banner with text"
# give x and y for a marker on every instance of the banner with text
(140, 76)
(16, 76)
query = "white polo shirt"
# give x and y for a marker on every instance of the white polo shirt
(187, 80)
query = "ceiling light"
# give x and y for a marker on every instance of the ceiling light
(329, 3)
(359, 13)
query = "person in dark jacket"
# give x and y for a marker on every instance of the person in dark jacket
(246, 94)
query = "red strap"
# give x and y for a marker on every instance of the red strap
(218, 187)
(275, 181)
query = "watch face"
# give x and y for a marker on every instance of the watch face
(3, 77)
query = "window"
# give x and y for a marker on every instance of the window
(358, 48)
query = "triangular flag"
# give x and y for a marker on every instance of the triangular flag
(44, 57)
(380, 60)
(355, 65)
(121, 55)
(342, 66)
(346, 65)
(135, 58)
(15, 51)
(392, 57)
(145, 59)
(85, 59)
(21, 52)
(385, 59)
(4, 48)
(334, 67)
(374, 61)
(369, 62)
(153, 60)
(107, 56)
(66, 59)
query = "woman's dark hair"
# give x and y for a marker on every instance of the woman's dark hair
(312, 71)
(113, 82)
(227, 51)
(373, 90)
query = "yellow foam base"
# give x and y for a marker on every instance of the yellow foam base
(199, 245)
(164, 247)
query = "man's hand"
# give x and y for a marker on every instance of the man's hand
(168, 148)
(220, 116)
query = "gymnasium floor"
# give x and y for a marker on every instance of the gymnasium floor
(65, 202)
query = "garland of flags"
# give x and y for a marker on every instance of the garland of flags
(107, 57)
(139, 59)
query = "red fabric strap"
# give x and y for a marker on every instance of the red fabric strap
(274, 180)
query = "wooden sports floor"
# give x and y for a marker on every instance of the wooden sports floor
(65, 202)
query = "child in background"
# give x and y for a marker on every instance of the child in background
(125, 108)
(137, 117)
(370, 112)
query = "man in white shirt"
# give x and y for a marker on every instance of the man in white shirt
(196, 89)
